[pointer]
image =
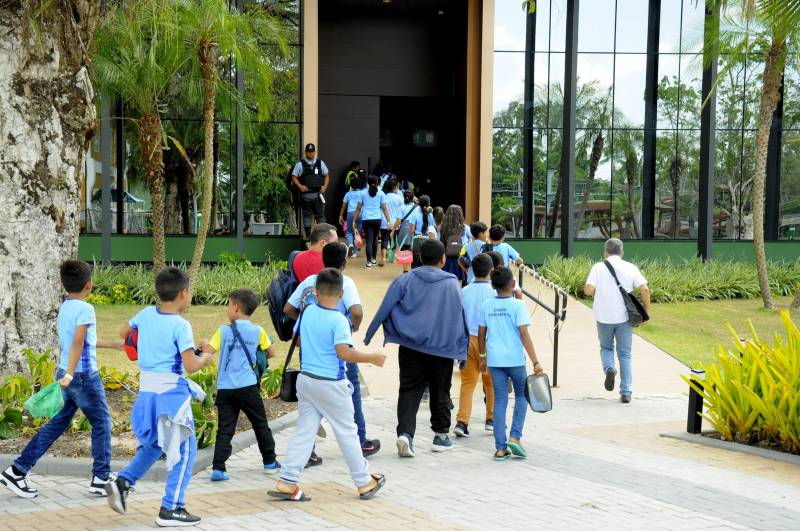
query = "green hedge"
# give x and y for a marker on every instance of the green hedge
(680, 281)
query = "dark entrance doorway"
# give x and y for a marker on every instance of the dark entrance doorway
(392, 87)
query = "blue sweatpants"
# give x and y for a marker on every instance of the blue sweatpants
(178, 478)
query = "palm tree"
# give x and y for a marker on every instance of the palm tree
(213, 32)
(137, 56)
(780, 20)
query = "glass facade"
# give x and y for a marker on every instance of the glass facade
(611, 131)
(270, 148)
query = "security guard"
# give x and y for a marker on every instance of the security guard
(310, 177)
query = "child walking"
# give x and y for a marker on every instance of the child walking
(162, 415)
(473, 296)
(479, 233)
(80, 383)
(238, 386)
(349, 204)
(503, 340)
(496, 243)
(323, 391)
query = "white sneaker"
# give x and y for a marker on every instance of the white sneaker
(17, 484)
(98, 486)
(405, 446)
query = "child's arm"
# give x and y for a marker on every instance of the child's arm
(75, 351)
(271, 351)
(482, 348)
(341, 212)
(125, 331)
(528, 344)
(349, 354)
(356, 316)
(194, 363)
(205, 346)
(115, 344)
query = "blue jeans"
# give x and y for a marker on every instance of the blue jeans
(351, 229)
(622, 334)
(352, 376)
(86, 392)
(178, 478)
(500, 376)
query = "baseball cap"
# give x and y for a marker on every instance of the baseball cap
(311, 147)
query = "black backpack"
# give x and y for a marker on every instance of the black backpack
(278, 293)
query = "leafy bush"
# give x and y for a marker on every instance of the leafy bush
(134, 284)
(17, 388)
(683, 281)
(752, 393)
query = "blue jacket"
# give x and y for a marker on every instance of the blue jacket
(422, 310)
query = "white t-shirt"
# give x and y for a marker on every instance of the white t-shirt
(609, 308)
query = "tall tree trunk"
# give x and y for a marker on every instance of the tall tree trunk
(185, 196)
(551, 230)
(675, 180)
(207, 64)
(796, 301)
(631, 162)
(47, 110)
(172, 211)
(594, 162)
(153, 161)
(770, 95)
(214, 198)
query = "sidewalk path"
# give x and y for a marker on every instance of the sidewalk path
(594, 464)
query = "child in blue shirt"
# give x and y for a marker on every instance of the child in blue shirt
(496, 243)
(323, 391)
(371, 209)
(162, 415)
(81, 386)
(238, 388)
(349, 205)
(473, 296)
(479, 233)
(503, 340)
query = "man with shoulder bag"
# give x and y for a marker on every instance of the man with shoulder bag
(617, 310)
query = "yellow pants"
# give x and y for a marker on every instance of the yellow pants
(469, 379)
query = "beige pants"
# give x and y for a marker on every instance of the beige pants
(469, 379)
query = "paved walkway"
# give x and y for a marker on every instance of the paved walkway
(594, 463)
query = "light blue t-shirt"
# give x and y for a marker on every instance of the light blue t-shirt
(472, 297)
(72, 314)
(473, 249)
(371, 206)
(417, 217)
(321, 329)
(508, 253)
(304, 295)
(396, 204)
(162, 338)
(352, 198)
(235, 370)
(410, 218)
(501, 316)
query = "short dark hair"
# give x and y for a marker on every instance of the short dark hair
(497, 232)
(482, 265)
(330, 281)
(479, 227)
(247, 299)
(170, 281)
(75, 274)
(497, 258)
(431, 252)
(334, 255)
(502, 278)
(322, 232)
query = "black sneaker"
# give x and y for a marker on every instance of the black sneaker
(176, 518)
(625, 399)
(314, 460)
(117, 492)
(98, 486)
(461, 429)
(441, 443)
(489, 426)
(18, 484)
(370, 447)
(610, 376)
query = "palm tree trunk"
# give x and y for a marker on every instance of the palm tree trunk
(215, 199)
(675, 181)
(796, 301)
(770, 95)
(554, 216)
(153, 161)
(630, 173)
(594, 162)
(207, 64)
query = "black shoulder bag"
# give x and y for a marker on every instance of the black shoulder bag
(636, 312)
(289, 377)
(259, 364)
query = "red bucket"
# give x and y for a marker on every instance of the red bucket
(403, 257)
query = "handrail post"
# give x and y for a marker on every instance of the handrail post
(556, 318)
(694, 421)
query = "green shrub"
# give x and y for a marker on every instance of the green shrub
(683, 281)
(134, 284)
(752, 393)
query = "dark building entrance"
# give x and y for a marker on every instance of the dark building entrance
(392, 87)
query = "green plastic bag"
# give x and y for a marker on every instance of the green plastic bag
(390, 255)
(47, 402)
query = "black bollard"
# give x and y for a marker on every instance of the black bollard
(694, 422)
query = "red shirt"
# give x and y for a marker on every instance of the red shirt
(307, 263)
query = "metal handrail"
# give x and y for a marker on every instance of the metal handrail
(558, 310)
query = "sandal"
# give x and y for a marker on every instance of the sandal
(505, 456)
(297, 496)
(517, 450)
(380, 481)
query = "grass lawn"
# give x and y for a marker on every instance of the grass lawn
(204, 319)
(691, 331)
